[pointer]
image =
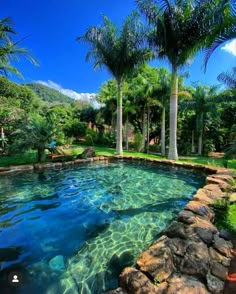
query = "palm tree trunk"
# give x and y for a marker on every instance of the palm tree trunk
(173, 154)
(193, 147)
(40, 154)
(127, 132)
(119, 149)
(200, 142)
(200, 134)
(148, 125)
(163, 132)
(143, 129)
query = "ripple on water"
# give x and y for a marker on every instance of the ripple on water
(98, 218)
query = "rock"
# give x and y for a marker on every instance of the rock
(225, 235)
(215, 285)
(219, 270)
(204, 229)
(177, 230)
(222, 246)
(225, 171)
(57, 263)
(200, 209)
(232, 198)
(87, 153)
(157, 260)
(217, 256)
(186, 216)
(185, 285)
(202, 197)
(196, 261)
(213, 191)
(178, 246)
(222, 184)
(226, 178)
(135, 282)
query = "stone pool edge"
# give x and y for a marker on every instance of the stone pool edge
(191, 256)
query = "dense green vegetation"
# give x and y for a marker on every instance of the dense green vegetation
(48, 94)
(139, 107)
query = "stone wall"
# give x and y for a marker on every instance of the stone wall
(191, 256)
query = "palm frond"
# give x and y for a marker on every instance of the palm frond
(228, 78)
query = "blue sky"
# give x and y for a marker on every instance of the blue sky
(52, 27)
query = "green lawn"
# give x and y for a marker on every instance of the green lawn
(31, 157)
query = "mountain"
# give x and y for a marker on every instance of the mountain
(48, 94)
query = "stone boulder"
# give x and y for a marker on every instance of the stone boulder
(87, 153)
(200, 209)
(223, 246)
(178, 230)
(221, 183)
(204, 229)
(185, 285)
(217, 256)
(196, 260)
(135, 282)
(201, 196)
(157, 260)
(214, 284)
(213, 191)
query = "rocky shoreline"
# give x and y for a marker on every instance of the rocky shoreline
(191, 256)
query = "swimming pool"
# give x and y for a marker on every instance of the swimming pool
(77, 228)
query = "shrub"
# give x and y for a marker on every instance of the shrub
(208, 146)
(91, 137)
(138, 142)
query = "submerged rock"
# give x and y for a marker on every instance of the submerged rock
(57, 263)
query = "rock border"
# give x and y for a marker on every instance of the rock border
(191, 256)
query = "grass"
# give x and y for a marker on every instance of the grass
(228, 220)
(30, 157)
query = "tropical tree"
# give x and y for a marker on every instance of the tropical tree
(9, 49)
(205, 100)
(224, 31)
(178, 29)
(35, 134)
(228, 78)
(120, 52)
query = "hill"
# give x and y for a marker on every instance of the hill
(48, 94)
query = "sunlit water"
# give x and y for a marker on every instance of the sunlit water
(73, 230)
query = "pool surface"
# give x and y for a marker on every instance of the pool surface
(73, 230)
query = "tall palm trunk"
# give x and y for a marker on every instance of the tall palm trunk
(143, 129)
(193, 147)
(173, 154)
(127, 132)
(200, 134)
(163, 132)
(40, 154)
(148, 125)
(119, 149)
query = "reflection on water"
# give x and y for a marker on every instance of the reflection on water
(76, 228)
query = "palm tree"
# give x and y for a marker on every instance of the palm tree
(228, 78)
(222, 33)
(120, 52)
(36, 133)
(178, 29)
(9, 49)
(204, 101)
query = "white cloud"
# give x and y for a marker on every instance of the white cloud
(89, 97)
(230, 47)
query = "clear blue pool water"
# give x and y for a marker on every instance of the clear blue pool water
(73, 230)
